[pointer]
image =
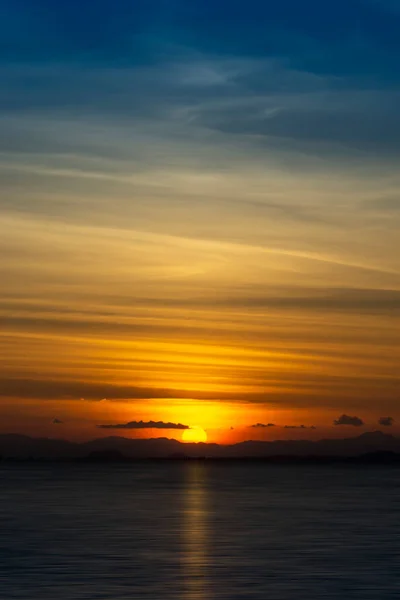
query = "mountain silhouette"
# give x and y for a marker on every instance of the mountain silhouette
(23, 447)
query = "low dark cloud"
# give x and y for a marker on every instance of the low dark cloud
(347, 420)
(57, 421)
(386, 421)
(144, 425)
(262, 425)
(299, 427)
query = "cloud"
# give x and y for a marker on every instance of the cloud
(266, 425)
(386, 421)
(145, 425)
(88, 391)
(346, 420)
(261, 297)
(317, 118)
(325, 386)
(299, 427)
(389, 204)
(368, 301)
(56, 421)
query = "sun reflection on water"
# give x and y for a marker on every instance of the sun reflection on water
(195, 534)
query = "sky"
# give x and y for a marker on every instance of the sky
(199, 217)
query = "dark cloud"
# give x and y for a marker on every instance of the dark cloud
(386, 421)
(346, 300)
(57, 421)
(366, 122)
(347, 420)
(356, 388)
(145, 425)
(266, 425)
(299, 427)
(50, 389)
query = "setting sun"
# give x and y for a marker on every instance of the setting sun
(194, 434)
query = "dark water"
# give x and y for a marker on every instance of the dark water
(199, 531)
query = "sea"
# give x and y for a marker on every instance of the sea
(199, 530)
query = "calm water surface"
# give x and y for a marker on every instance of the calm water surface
(199, 532)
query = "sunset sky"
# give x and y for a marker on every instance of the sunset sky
(199, 217)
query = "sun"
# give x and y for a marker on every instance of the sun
(194, 434)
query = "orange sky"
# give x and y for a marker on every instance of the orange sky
(104, 324)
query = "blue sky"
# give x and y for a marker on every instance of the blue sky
(357, 38)
(330, 70)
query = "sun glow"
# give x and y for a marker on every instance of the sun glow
(194, 434)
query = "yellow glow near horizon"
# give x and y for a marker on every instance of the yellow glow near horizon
(194, 434)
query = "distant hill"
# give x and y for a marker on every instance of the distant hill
(23, 447)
